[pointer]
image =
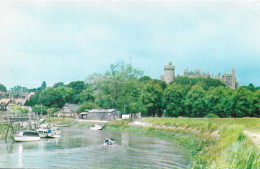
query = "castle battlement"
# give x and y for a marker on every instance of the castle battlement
(228, 78)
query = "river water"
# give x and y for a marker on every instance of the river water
(82, 148)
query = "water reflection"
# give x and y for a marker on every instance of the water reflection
(20, 159)
(81, 148)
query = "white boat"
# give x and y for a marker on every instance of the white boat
(43, 133)
(26, 136)
(96, 127)
(53, 132)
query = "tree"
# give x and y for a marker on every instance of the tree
(51, 111)
(195, 102)
(152, 98)
(43, 86)
(77, 86)
(86, 96)
(110, 87)
(67, 93)
(58, 84)
(51, 98)
(19, 110)
(2, 88)
(87, 106)
(256, 104)
(39, 109)
(218, 101)
(34, 99)
(144, 79)
(173, 99)
(242, 103)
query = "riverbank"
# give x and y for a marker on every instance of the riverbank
(232, 146)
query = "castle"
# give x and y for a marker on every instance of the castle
(228, 78)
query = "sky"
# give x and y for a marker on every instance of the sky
(64, 41)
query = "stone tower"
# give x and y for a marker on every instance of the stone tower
(168, 73)
(233, 85)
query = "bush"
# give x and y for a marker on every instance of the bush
(211, 115)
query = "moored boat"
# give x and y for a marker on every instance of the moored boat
(26, 136)
(53, 132)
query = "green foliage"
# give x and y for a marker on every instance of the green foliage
(242, 103)
(19, 110)
(40, 109)
(58, 84)
(43, 86)
(51, 98)
(86, 96)
(34, 99)
(67, 93)
(174, 100)
(152, 98)
(87, 106)
(2, 88)
(195, 103)
(211, 115)
(230, 149)
(77, 86)
(50, 111)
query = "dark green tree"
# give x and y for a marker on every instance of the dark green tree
(51, 98)
(242, 103)
(43, 86)
(58, 84)
(67, 93)
(2, 88)
(174, 97)
(195, 102)
(77, 86)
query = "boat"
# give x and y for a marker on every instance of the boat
(43, 133)
(96, 127)
(53, 132)
(26, 136)
(109, 142)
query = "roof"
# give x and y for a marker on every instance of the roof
(101, 110)
(72, 107)
(5, 101)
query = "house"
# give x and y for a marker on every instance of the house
(4, 104)
(101, 114)
(68, 110)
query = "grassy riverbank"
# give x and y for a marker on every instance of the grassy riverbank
(230, 149)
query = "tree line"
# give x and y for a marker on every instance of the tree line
(126, 89)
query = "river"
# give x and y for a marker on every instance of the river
(82, 148)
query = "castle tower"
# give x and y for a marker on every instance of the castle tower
(169, 73)
(233, 85)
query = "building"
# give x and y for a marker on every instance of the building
(168, 73)
(101, 114)
(228, 79)
(68, 110)
(196, 73)
(4, 104)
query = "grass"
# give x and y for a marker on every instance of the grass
(231, 149)
(209, 124)
(59, 121)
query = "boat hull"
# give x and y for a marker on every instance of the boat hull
(25, 138)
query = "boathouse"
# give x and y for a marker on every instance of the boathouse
(101, 114)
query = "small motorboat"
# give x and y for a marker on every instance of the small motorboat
(26, 136)
(43, 133)
(96, 127)
(109, 142)
(53, 132)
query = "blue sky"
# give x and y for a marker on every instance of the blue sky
(67, 41)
